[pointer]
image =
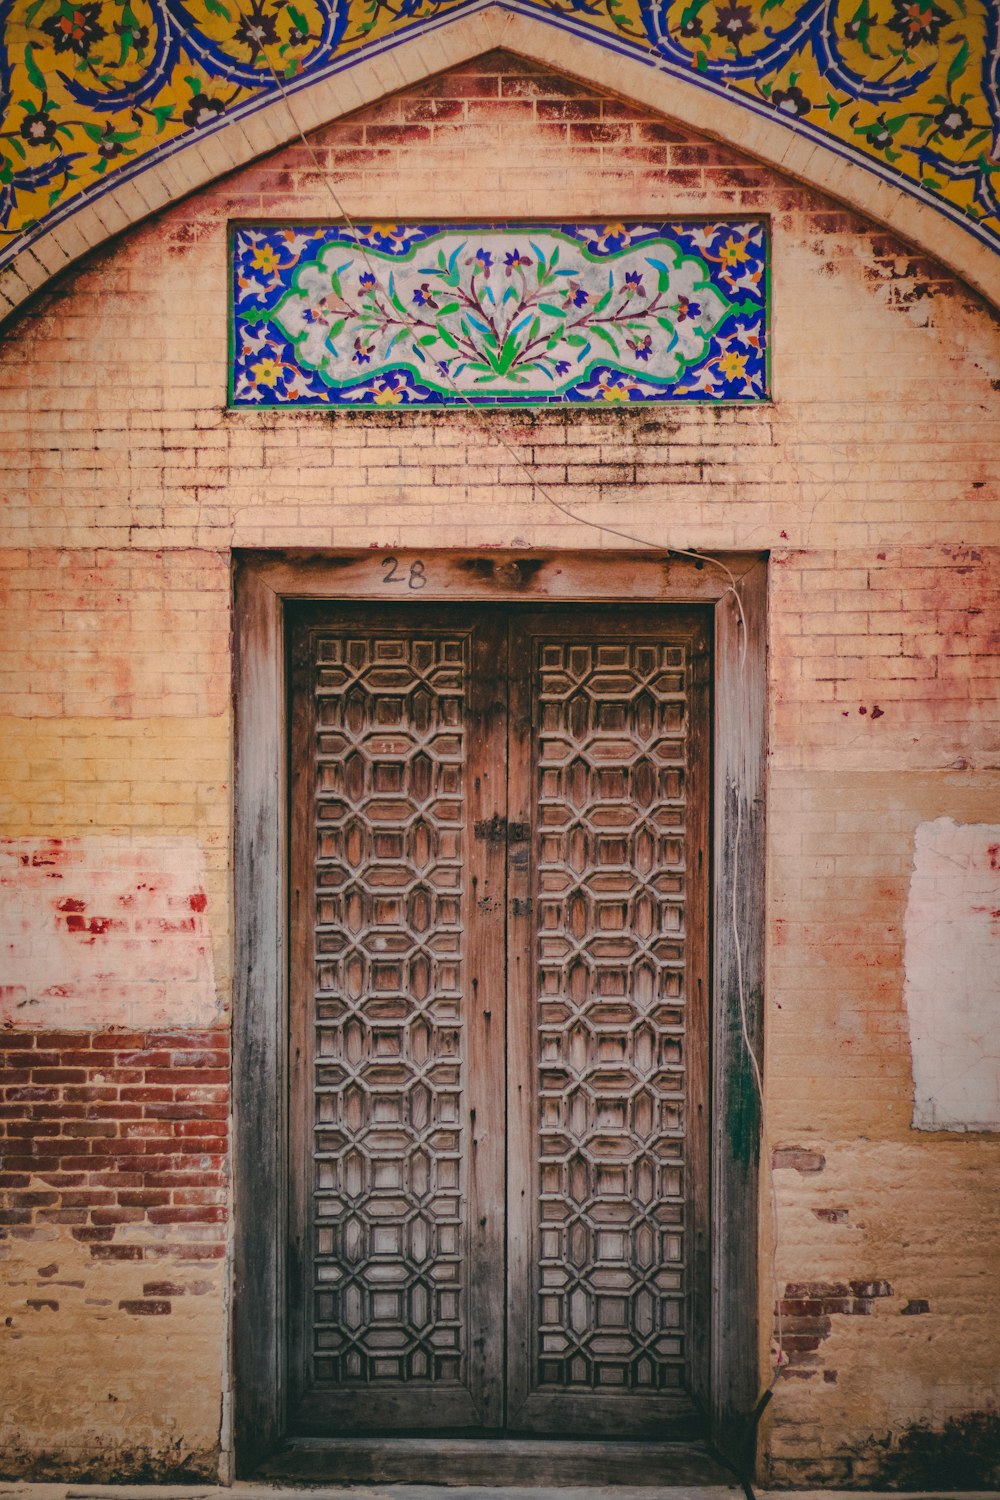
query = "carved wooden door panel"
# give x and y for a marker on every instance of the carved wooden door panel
(397, 1005)
(498, 1115)
(607, 1126)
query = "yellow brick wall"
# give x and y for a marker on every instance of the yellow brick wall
(872, 479)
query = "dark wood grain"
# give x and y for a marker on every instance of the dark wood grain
(258, 1032)
(740, 779)
(486, 940)
(301, 1037)
(497, 576)
(521, 1462)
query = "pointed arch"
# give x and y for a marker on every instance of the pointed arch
(154, 184)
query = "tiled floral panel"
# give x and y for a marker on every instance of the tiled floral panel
(92, 91)
(498, 315)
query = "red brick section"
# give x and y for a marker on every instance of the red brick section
(120, 1136)
(798, 1157)
(491, 103)
(806, 1310)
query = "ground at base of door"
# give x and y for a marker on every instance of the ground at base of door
(254, 1490)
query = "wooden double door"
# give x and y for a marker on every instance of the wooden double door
(498, 1021)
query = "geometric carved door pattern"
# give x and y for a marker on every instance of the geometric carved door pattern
(498, 1021)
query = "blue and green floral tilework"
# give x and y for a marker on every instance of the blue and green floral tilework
(498, 315)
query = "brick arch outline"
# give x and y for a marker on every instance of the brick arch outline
(460, 39)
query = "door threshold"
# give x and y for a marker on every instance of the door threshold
(520, 1462)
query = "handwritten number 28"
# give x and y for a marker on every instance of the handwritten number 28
(415, 579)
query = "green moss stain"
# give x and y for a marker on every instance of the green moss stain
(742, 1103)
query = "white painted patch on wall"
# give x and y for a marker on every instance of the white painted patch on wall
(952, 984)
(105, 931)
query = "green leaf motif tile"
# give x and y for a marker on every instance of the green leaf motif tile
(504, 314)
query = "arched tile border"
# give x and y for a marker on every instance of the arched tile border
(458, 39)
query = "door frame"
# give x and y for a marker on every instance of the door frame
(735, 587)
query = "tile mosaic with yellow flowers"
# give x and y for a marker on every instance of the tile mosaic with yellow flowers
(498, 314)
(93, 91)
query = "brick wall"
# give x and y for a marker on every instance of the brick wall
(114, 1209)
(872, 480)
(122, 1136)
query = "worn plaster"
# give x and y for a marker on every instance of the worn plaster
(952, 984)
(105, 930)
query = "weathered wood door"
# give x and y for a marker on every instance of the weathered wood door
(498, 1092)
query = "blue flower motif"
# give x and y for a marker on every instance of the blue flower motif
(483, 262)
(366, 281)
(562, 365)
(633, 284)
(362, 352)
(423, 296)
(576, 295)
(515, 261)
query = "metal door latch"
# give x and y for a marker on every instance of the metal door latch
(497, 830)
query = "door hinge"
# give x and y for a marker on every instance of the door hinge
(497, 830)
